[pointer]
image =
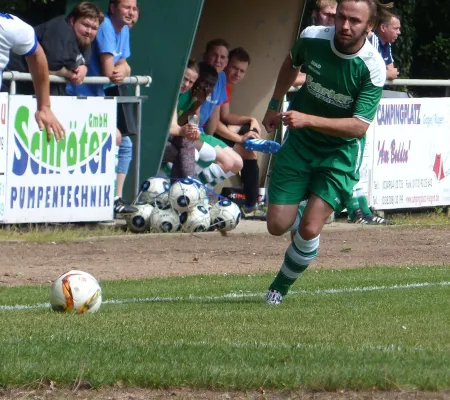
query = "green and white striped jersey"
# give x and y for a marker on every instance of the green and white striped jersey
(337, 85)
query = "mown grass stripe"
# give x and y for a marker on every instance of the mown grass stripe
(242, 295)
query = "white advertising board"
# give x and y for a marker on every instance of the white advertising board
(67, 181)
(411, 154)
(3, 150)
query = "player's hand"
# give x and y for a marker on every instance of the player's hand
(78, 75)
(294, 119)
(250, 135)
(47, 120)
(254, 125)
(392, 73)
(190, 132)
(271, 120)
(117, 77)
(199, 95)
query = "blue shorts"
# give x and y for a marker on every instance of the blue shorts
(125, 155)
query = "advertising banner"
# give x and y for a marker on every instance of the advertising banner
(3, 150)
(411, 154)
(67, 181)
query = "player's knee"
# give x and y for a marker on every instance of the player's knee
(309, 230)
(238, 163)
(275, 228)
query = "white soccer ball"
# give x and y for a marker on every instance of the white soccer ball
(225, 215)
(157, 193)
(184, 195)
(76, 291)
(139, 222)
(196, 220)
(165, 220)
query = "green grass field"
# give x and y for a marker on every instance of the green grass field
(350, 329)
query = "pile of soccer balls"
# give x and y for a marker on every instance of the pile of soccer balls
(183, 206)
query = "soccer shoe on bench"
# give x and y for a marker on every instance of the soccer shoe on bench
(262, 145)
(273, 297)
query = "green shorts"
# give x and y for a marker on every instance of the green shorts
(211, 140)
(328, 172)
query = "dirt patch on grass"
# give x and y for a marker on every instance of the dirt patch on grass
(142, 256)
(145, 394)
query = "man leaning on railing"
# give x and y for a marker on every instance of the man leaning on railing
(66, 42)
(19, 37)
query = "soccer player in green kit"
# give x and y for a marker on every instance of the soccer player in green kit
(327, 122)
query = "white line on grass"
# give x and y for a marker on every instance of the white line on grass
(242, 295)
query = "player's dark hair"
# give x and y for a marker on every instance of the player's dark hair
(207, 73)
(239, 54)
(86, 10)
(217, 43)
(192, 64)
(375, 6)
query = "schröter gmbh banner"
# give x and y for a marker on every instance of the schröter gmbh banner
(68, 181)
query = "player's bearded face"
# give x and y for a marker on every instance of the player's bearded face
(352, 25)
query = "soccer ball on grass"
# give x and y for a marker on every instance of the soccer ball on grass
(225, 215)
(196, 220)
(157, 193)
(139, 222)
(165, 220)
(75, 291)
(184, 195)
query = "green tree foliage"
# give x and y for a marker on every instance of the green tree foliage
(432, 46)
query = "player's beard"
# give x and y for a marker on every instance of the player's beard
(347, 47)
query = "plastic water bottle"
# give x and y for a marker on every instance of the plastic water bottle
(193, 120)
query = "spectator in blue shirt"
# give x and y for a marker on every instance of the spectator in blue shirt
(386, 33)
(110, 51)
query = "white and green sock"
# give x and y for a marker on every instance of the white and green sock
(296, 259)
(213, 175)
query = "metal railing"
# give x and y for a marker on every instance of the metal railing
(137, 81)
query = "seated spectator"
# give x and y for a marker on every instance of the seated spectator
(189, 104)
(386, 33)
(180, 148)
(110, 51)
(235, 129)
(227, 162)
(67, 45)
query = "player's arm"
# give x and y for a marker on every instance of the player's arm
(194, 109)
(123, 66)
(213, 122)
(300, 79)
(339, 127)
(226, 133)
(287, 75)
(38, 67)
(364, 111)
(391, 72)
(230, 118)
